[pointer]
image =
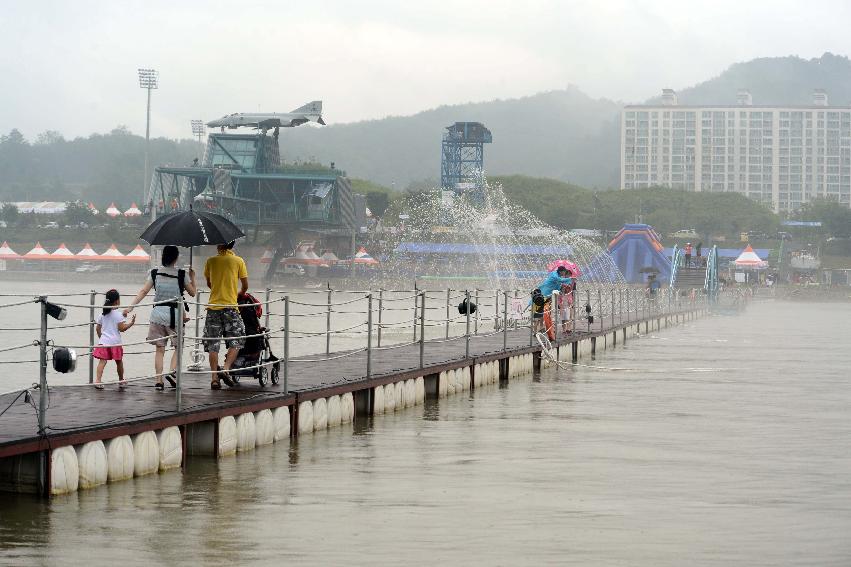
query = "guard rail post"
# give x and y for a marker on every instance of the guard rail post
(504, 320)
(369, 335)
(448, 299)
(612, 307)
(588, 310)
(422, 327)
(328, 322)
(91, 335)
(476, 320)
(554, 314)
(467, 333)
(380, 309)
(600, 307)
(179, 351)
(416, 290)
(286, 343)
(42, 393)
(268, 306)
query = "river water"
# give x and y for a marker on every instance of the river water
(722, 442)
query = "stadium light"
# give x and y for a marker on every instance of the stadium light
(148, 79)
(199, 129)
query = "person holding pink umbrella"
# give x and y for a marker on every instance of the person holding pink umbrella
(568, 292)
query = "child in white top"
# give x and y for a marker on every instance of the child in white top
(110, 324)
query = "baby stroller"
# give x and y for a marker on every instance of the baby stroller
(257, 350)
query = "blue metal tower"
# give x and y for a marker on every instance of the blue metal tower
(462, 159)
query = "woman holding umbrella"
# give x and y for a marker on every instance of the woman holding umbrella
(223, 273)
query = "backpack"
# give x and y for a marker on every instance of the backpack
(181, 285)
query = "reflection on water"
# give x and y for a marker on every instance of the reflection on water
(747, 464)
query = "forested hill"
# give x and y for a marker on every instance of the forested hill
(776, 81)
(564, 135)
(561, 134)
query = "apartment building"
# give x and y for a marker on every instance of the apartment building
(781, 156)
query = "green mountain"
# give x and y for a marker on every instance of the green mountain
(561, 134)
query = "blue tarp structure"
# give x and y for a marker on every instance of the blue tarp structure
(637, 247)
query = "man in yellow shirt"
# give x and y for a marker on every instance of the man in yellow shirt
(224, 272)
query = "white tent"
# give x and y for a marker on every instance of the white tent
(138, 254)
(37, 253)
(87, 253)
(133, 211)
(6, 253)
(62, 253)
(112, 253)
(113, 211)
(749, 259)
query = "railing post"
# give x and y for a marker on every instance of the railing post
(179, 351)
(612, 306)
(416, 290)
(380, 309)
(328, 322)
(422, 327)
(42, 393)
(476, 320)
(587, 310)
(467, 334)
(448, 299)
(92, 335)
(266, 319)
(496, 308)
(369, 335)
(504, 320)
(555, 315)
(531, 322)
(600, 306)
(286, 344)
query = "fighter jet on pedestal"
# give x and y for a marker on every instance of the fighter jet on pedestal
(310, 112)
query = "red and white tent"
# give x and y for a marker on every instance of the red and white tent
(363, 258)
(6, 253)
(62, 253)
(113, 211)
(749, 259)
(37, 253)
(87, 253)
(329, 257)
(133, 211)
(112, 253)
(93, 209)
(267, 256)
(139, 255)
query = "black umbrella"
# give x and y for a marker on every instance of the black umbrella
(191, 228)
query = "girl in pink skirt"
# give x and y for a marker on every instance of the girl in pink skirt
(110, 324)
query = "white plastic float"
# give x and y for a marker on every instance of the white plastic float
(410, 393)
(378, 400)
(400, 395)
(227, 436)
(246, 432)
(64, 470)
(465, 378)
(389, 398)
(119, 457)
(146, 453)
(320, 414)
(347, 405)
(419, 386)
(335, 411)
(171, 448)
(92, 464)
(441, 385)
(305, 417)
(282, 423)
(264, 425)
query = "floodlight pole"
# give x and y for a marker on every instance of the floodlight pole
(148, 79)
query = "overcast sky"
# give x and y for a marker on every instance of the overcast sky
(71, 65)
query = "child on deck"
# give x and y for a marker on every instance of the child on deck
(110, 324)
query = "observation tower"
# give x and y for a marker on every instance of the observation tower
(462, 158)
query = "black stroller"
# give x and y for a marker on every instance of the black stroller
(255, 359)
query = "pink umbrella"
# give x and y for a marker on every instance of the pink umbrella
(574, 269)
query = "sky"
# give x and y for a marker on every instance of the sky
(71, 66)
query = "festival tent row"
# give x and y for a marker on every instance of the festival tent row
(87, 254)
(305, 255)
(57, 207)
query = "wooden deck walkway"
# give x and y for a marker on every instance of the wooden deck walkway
(80, 414)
